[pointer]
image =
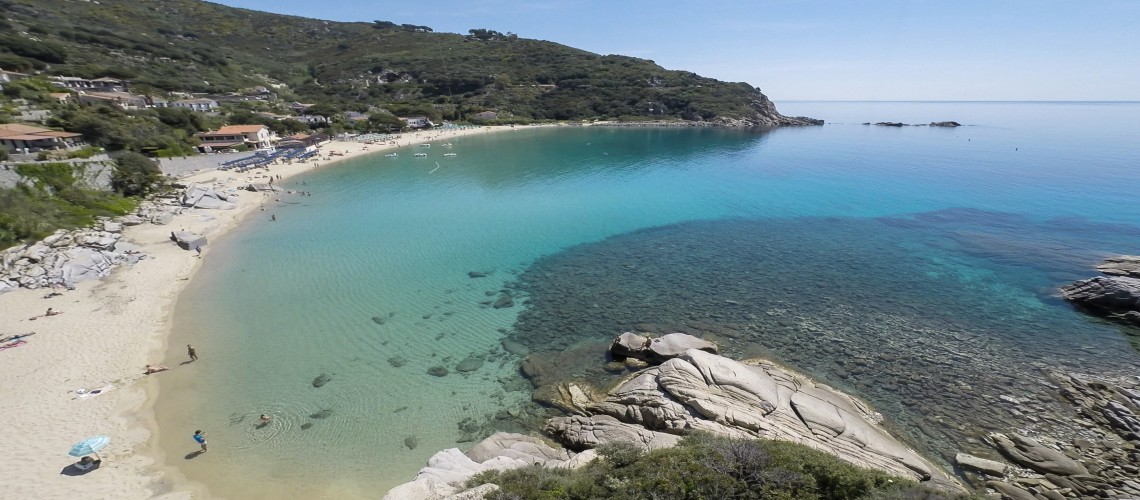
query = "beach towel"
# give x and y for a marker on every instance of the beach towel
(93, 392)
(17, 343)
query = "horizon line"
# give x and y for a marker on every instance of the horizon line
(962, 100)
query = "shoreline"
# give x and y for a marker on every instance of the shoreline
(111, 328)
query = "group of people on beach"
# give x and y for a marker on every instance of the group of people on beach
(200, 436)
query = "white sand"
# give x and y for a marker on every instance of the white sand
(109, 330)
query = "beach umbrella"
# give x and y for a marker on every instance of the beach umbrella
(89, 446)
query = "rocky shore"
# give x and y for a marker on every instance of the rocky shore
(1103, 461)
(691, 389)
(68, 257)
(1115, 296)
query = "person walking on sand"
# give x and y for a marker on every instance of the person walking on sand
(192, 352)
(200, 438)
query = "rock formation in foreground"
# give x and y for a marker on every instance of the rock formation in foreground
(1117, 295)
(692, 390)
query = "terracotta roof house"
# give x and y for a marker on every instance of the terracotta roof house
(253, 136)
(16, 138)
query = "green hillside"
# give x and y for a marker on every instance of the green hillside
(194, 46)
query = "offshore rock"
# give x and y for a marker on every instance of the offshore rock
(945, 124)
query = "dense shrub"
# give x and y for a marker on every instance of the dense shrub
(135, 175)
(52, 198)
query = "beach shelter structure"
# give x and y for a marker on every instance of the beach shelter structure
(89, 446)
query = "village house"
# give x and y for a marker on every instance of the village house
(120, 99)
(16, 138)
(252, 136)
(355, 116)
(200, 104)
(418, 122)
(302, 140)
(311, 119)
(10, 76)
(104, 84)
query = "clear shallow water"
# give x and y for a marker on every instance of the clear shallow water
(968, 227)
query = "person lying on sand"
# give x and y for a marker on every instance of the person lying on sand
(50, 312)
(154, 369)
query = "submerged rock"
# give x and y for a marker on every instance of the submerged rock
(469, 364)
(321, 380)
(437, 371)
(378, 320)
(503, 301)
(321, 414)
(397, 361)
(306, 425)
(411, 442)
(477, 274)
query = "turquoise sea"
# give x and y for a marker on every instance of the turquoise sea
(914, 266)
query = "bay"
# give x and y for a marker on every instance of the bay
(954, 237)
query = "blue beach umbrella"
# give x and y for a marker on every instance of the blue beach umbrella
(89, 446)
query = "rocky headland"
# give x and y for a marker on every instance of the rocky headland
(688, 388)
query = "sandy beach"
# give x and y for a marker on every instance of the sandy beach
(81, 374)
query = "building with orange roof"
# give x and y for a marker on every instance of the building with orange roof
(17, 138)
(253, 136)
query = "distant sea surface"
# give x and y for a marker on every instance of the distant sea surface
(915, 267)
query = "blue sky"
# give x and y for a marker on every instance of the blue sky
(819, 50)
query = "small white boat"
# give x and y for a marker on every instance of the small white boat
(420, 154)
(425, 145)
(392, 155)
(449, 154)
